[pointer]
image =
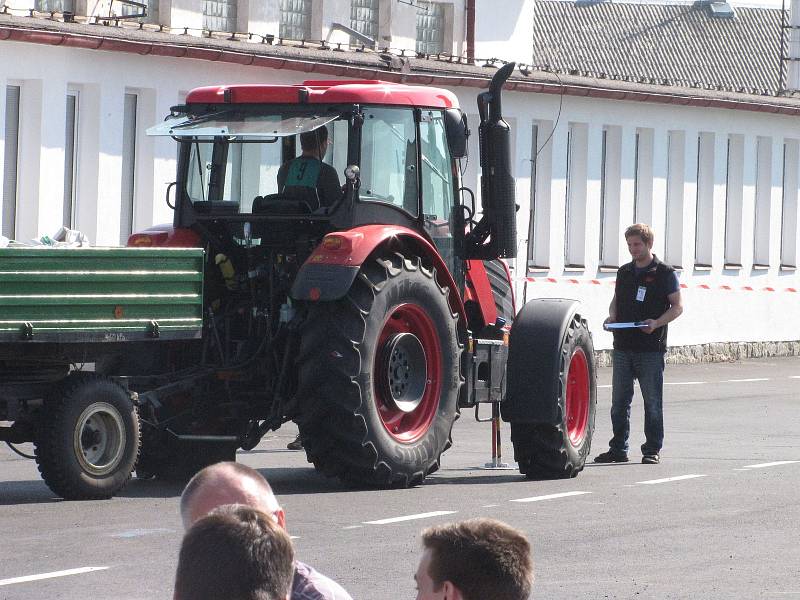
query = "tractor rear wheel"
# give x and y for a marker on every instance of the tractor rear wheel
(380, 376)
(559, 451)
(87, 439)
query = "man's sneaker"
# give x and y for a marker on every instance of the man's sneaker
(650, 459)
(297, 444)
(612, 456)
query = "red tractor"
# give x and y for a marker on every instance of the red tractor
(368, 317)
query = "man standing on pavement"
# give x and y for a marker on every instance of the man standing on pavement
(227, 483)
(647, 293)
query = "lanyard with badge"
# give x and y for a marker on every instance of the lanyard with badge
(640, 293)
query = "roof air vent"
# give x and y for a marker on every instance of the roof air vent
(721, 10)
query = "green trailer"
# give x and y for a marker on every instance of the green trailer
(64, 311)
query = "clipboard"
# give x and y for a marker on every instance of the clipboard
(629, 325)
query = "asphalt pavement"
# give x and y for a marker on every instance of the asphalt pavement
(718, 518)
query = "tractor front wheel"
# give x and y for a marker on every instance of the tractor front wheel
(380, 376)
(546, 451)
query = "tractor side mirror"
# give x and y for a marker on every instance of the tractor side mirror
(455, 126)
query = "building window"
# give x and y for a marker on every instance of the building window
(734, 186)
(10, 158)
(673, 229)
(791, 157)
(70, 159)
(575, 213)
(219, 15)
(150, 9)
(430, 28)
(536, 213)
(704, 208)
(128, 192)
(603, 191)
(295, 19)
(59, 6)
(611, 165)
(761, 221)
(364, 19)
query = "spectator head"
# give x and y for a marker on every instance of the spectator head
(315, 143)
(228, 483)
(474, 560)
(644, 232)
(237, 553)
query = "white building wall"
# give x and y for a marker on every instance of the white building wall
(723, 302)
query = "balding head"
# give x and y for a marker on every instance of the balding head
(228, 483)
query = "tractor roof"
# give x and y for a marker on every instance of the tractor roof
(326, 92)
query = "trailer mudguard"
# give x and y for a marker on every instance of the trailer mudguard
(536, 341)
(333, 266)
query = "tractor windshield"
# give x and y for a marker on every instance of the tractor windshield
(231, 163)
(239, 125)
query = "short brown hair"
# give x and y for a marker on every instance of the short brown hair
(237, 553)
(645, 232)
(312, 140)
(483, 558)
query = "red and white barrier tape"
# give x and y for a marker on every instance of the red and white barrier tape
(699, 286)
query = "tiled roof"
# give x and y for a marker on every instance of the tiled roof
(679, 45)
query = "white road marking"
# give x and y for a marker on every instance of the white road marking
(436, 513)
(141, 532)
(550, 497)
(490, 505)
(668, 479)
(685, 382)
(744, 380)
(794, 376)
(603, 386)
(771, 464)
(354, 527)
(51, 575)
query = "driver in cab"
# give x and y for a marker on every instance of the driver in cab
(307, 172)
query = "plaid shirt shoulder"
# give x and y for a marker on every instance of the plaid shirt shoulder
(310, 584)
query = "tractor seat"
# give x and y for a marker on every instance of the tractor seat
(287, 203)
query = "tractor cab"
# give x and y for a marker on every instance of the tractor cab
(393, 150)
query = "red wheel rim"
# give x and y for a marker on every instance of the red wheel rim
(408, 328)
(577, 397)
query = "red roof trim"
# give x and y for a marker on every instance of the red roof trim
(167, 49)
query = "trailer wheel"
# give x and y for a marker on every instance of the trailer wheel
(546, 451)
(88, 438)
(380, 376)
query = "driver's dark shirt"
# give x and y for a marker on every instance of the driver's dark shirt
(328, 187)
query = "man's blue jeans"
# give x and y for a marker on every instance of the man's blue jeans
(648, 368)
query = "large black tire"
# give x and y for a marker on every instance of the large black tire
(379, 374)
(87, 439)
(559, 451)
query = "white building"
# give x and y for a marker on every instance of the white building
(620, 112)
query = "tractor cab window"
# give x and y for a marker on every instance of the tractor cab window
(231, 174)
(234, 156)
(437, 182)
(389, 158)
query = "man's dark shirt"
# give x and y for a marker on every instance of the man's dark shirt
(642, 293)
(309, 172)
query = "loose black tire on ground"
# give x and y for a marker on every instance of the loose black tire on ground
(559, 451)
(87, 439)
(379, 375)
